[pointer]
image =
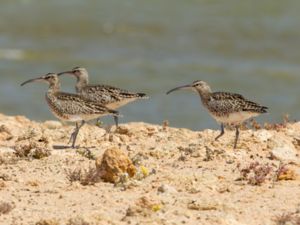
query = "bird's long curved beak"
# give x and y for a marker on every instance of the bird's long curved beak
(183, 87)
(65, 72)
(33, 80)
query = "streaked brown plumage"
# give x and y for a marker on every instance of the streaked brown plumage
(70, 107)
(224, 107)
(109, 96)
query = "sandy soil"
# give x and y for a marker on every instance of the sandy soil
(183, 177)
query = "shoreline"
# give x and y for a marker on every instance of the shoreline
(182, 176)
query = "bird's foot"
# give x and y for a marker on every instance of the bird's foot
(73, 139)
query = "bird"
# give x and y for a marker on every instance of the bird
(225, 107)
(107, 95)
(70, 107)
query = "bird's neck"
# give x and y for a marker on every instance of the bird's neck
(205, 96)
(53, 88)
(81, 83)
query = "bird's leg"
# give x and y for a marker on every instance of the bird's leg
(116, 119)
(237, 133)
(75, 133)
(222, 132)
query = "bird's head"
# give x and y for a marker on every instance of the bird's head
(198, 86)
(50, 78)
(79, 72)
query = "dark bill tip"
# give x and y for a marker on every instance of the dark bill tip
(32, 80)
(65, 72)
(179, 88)
(29, 81)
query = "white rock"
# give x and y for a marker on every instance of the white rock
(166, 189)
(284, 150)
(263, 135)
(6, 150)
(52, 124)
(285, 153)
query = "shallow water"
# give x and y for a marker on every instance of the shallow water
(152, 46)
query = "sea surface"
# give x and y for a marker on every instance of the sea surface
(248, 47)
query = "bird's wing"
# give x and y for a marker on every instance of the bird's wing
(107, 94)
(232, 102)
(75, 104)
(226, 96)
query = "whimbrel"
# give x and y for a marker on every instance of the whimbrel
(109, 96)
(70, 107)
(226, 108)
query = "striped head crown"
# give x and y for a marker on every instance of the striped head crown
(80, 72)
(201, 86)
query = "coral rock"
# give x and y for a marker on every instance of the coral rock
(113, 164)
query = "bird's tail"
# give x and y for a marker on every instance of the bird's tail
(114, 112)
(142, 96)
(254, 107)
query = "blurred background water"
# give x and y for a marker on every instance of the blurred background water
(249, 47)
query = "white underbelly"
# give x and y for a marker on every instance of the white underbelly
(74, 118)
(235, 118)
(115, 105)
(69, 118)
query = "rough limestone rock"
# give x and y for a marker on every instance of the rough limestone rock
(51, 124)
(263, 135)
(113, 164)
(284, 150)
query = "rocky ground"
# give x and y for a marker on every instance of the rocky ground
(147, 174)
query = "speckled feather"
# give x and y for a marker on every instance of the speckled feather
(65, 105)
(106, 94)
(224, 103)
(70, 107)
(226, 108)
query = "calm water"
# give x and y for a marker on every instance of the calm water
(251, 47)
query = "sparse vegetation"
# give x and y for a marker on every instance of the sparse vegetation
(287, 218)
(5, 177)
(191, 150)
(87, 153)
(5, 207)
(255, 173)
(47, 222)
(278, 126)
(77, 221)
(83, 176)
(285, 173)
(144, 206)
(186, 191)
(212, 154)
(253, 124)
(31, 149)
(5, 133)
(138, 158)
(32, 145)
